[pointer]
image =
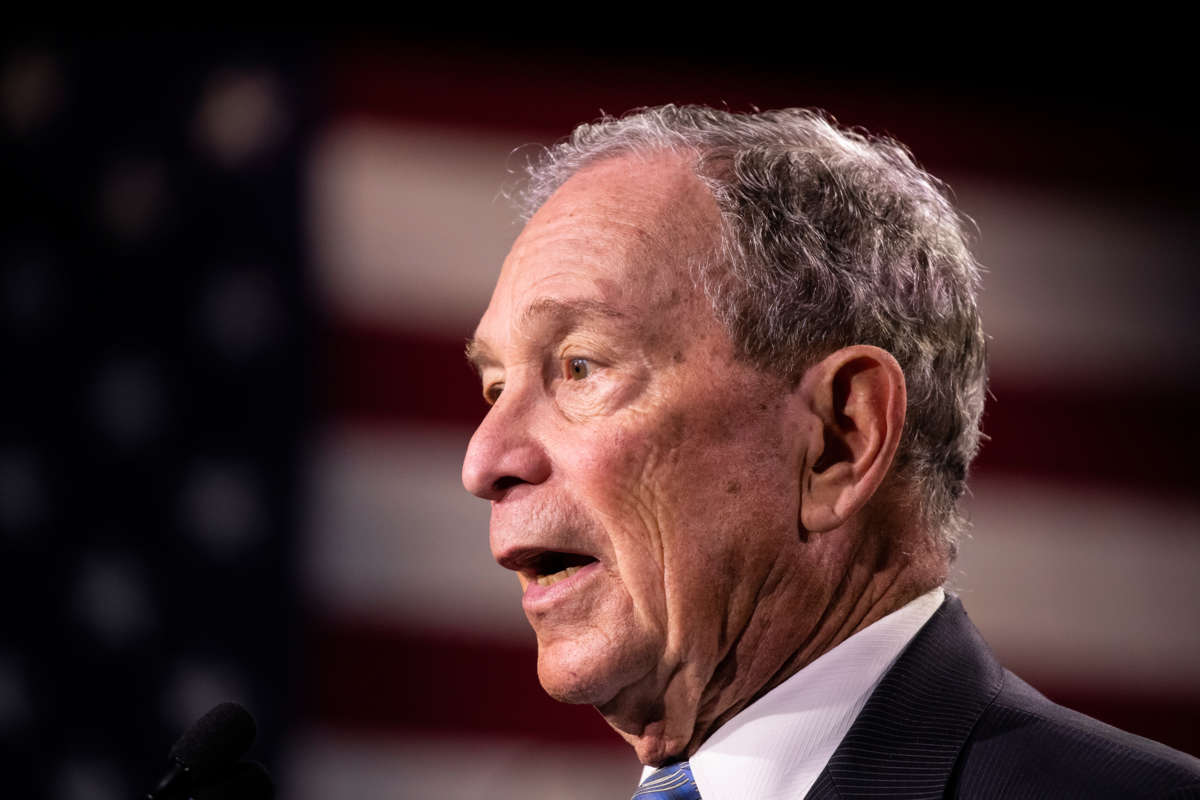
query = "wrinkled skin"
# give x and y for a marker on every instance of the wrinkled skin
(624, 429)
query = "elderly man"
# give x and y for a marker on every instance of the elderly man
(736, 370)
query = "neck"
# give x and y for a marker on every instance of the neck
(862, 578)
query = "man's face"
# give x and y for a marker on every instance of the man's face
(643, 481)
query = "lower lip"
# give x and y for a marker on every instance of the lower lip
(538, 596)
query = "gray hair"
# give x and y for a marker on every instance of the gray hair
(831, 237)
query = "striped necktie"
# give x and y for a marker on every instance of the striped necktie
(672, 782)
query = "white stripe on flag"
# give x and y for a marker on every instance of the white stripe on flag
(408, 224)
(1082, 585)
(394, 536)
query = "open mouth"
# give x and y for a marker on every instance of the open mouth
(549, 568)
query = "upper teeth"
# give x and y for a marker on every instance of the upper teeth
(550, 580)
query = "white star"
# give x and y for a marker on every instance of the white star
(127, 400)
(241, 115)
(30, 90)
(133, 198)
(15, 711)
(239, 312)
(22, 493)
(222, 507)
(113, 599)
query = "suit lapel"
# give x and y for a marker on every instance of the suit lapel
(906, 740)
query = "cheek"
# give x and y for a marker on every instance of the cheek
(676, 489)
(671, 474)
(730, 495)
(615, 467)
(617, 475)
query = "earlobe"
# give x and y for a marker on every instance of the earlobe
(857, 395)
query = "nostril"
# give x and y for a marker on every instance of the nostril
(506, 482)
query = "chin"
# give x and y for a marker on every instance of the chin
(572, 672)
(572, 682)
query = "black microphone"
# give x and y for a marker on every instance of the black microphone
(215, 742)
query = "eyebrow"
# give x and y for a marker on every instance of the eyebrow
(479, 355)
(570, 310)
(563, 313)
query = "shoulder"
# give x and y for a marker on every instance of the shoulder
(1024, 745)
(948, 721)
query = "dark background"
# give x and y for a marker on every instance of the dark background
(166, 361)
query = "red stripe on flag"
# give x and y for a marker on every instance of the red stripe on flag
(1164, 716)
(377, 679)
(375, 376)
(373, 678)
(1133, 436)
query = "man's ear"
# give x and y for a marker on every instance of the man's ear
(858, 399)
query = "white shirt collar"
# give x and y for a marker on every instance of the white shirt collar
(777, 746)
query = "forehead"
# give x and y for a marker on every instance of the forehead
(626, 231)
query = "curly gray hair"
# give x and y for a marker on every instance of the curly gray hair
(830, 238)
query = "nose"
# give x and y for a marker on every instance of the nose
(503, 453)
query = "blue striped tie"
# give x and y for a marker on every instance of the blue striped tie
(672, 782)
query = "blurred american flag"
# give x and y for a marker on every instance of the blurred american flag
(237, 283)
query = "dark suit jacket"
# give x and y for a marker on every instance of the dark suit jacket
(948, 721)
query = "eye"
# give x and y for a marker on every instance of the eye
(578, 369)
(492, 392)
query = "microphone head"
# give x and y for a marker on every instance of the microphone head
(217, 739)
